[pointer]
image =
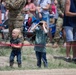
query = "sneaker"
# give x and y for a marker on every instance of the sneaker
(19, 65)
(74, 60)
(11, 64)
(45, 64)
(68, 59)
(39, 66)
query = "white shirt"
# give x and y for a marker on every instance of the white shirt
(44, 3)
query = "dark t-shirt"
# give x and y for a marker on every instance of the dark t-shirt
(15, 41)
(70, 21)
(0, 7)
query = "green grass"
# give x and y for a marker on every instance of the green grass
(4, 51)
(55, 59)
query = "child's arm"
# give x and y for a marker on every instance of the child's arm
(16, 45)
(33, 28)
(45, 27)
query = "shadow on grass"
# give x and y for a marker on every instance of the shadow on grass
(61, 58)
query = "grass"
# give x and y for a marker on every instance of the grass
(55, 57)
(4, 51)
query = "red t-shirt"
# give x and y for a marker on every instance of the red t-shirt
(53, 9)
(31, 6)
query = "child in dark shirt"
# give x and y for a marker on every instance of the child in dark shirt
(16, 45)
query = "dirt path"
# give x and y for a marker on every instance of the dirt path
(40, 72)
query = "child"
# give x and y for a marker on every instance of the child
(16, 44)
(40, 42)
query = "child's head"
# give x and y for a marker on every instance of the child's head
(15, 33)
(41, 23)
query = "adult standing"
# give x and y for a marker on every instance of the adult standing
(2, 10)
(30, 6)
(44, 6)
(61, 6)
(0, 13)
(69, 27)
(15, 16)
(36, 2)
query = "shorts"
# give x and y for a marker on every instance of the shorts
(70, 33)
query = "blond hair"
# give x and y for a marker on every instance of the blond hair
(18, 31)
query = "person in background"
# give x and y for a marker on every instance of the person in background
(40, 42)
(3, 9)
(3, 16)
(36, 2)
(56, 12)
(30, 6)
(69, 25)
(29, 9)
(52, 8)
(0, 13)
(16, 45)
(15, 14)
(29, 13)
(54, 19)
(61, 6)
(38, 11)
(44, 6)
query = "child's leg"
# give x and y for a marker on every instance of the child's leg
(38, 55)
(19, 58)
(12, 58)
(43, 55)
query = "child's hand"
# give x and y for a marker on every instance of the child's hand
(44, 24)
(45, 27)
(12, 45)
(16, 45)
